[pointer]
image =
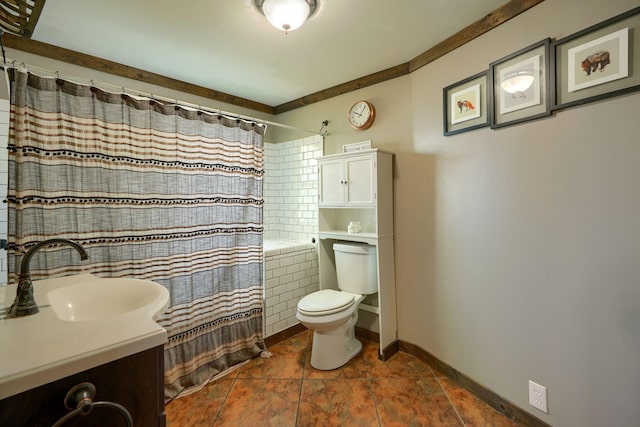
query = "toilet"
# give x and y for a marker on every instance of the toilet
(332, 314)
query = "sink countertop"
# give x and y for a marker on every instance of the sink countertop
(41, 348)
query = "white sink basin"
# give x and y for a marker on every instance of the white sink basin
(98, 298)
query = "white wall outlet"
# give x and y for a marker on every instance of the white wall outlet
(538, 396)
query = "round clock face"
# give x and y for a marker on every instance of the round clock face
(361, 115)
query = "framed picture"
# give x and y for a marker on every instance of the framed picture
(465, 104)
(598, 62)
(521, 85)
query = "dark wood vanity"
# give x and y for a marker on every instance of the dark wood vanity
(135, 382)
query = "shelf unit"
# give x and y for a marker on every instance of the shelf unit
(359, 187)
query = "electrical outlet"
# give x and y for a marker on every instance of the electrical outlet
(538, 396)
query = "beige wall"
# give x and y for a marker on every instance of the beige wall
(494, 228)
(517, 250)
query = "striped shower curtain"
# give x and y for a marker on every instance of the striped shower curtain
(152, 191)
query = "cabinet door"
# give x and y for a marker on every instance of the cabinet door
(135, 382)
(360, 179)
(331, 182)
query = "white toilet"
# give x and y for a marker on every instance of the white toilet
(333, 314)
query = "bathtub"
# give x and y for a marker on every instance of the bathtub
(290, 273)
(275, 247)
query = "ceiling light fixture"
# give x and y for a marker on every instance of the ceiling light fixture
(517, 82)
(287, 15)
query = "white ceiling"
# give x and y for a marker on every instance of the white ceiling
(228, 46)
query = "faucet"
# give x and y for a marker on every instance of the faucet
(25, 304)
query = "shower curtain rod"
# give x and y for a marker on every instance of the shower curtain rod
(135, 92)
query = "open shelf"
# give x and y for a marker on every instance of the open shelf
(359, 187)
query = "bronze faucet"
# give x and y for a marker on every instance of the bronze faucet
(25, 304)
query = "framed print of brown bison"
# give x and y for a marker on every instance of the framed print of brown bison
(590, 64)
(466, 104)
(598, 62)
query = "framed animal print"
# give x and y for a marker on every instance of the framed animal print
(520, 84)
(466, 104)
(598, 62)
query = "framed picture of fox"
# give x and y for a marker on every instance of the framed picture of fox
(598, 62)
(466, 105)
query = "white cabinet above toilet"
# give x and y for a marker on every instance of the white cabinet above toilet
(358, 188)
(347, 180)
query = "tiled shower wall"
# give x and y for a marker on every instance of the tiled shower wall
(291, 189)
(290, 222)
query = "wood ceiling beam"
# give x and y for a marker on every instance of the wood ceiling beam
(483, 25)
(359, 83)
(478, 28)
(110, 67)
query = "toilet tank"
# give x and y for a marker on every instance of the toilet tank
(356, 267)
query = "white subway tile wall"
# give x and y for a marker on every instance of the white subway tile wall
(291, 189)
(290, 222)
(290, 274)
(4, 180)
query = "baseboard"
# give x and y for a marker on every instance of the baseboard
(284, 335)
(384, 353)
(366, 334)
(494, 400)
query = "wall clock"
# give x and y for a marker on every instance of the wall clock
(361, 115)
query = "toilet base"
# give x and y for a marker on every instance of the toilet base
(334, 340)
(331, 350)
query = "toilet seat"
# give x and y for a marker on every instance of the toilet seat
(326, 301)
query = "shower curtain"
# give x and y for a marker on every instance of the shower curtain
(152, 191)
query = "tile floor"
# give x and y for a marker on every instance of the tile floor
(284, 390)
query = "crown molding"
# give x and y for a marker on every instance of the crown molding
(481, 26)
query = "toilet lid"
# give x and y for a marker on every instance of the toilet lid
(326, 301)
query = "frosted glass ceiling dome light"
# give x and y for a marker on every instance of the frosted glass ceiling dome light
(517, 82)
(287, 15)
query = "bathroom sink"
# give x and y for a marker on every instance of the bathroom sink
(103, 298)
